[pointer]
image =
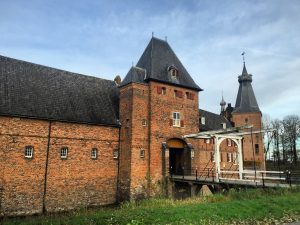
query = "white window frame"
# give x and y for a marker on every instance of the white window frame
(94, 153)
(144, 122)
(223, 125)
(29, 152)
(176, 119)
(203, 120)
(174, 73)
(116, 154)
(142, 153)
(64, 153)
(207, 141)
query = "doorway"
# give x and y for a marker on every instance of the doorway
(180, 157)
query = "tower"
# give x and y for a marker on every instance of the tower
(158, 105)
(247, 112)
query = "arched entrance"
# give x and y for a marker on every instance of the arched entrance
(179, 157)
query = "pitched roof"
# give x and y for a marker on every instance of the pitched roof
(35, 91)
(156, 59)
(245, 101)
(134, 75)
(212, 121)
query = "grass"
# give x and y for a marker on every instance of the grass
(245, 207)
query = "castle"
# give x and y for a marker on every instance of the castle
(70, 140)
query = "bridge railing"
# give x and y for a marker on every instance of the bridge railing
(197, 174)
(209, 174)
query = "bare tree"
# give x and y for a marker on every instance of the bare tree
(268, 136)
(277, 125)
(291, 125)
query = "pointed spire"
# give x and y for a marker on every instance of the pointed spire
(244, 70)
(245, 101)
(222, 104)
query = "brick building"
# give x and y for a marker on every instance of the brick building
(70, 140)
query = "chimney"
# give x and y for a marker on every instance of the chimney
(117, 80)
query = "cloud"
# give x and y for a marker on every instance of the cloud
(104, 37)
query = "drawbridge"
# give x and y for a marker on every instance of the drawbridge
(239, 177)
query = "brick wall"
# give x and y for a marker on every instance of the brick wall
(241, 119)
(161, 130)
(155, 102)
(203, 156)
(73, 182)
(134, 117)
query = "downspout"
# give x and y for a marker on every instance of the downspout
(149, 128)
(119, 155)
(149, 142)
(46, 167)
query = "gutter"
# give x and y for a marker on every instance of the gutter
(46, 168)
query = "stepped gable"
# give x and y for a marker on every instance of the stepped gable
(245, 101)
(156, 61)
(35, 91)
(212, 121)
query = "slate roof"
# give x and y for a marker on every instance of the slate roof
(134, 75)
(245, 101)
(34, 91)
(212, 121)
(156, 59)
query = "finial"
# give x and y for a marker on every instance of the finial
(243, 54)
(132, 63)
(152, 34)
(166, 38)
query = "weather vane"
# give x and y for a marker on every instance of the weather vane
(243, 54)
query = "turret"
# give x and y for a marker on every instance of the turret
(222, 104)
(247, 112)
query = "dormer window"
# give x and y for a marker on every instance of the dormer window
(173, 72)
(203, 120)
(223, 125)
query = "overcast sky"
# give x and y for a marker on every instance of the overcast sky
(104, 38)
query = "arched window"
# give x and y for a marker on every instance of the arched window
(173, 72)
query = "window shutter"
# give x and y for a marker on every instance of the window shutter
(180, 95)
(159, 90)
(182, 123)
(170, 122)
(192, 96)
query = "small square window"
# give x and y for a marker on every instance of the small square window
(189, 95)
(64, 153)
(178, 94)
(163, 91)
(116, 154)
(28, 152)
(94, 153)
(142, 153)
(144, 122)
